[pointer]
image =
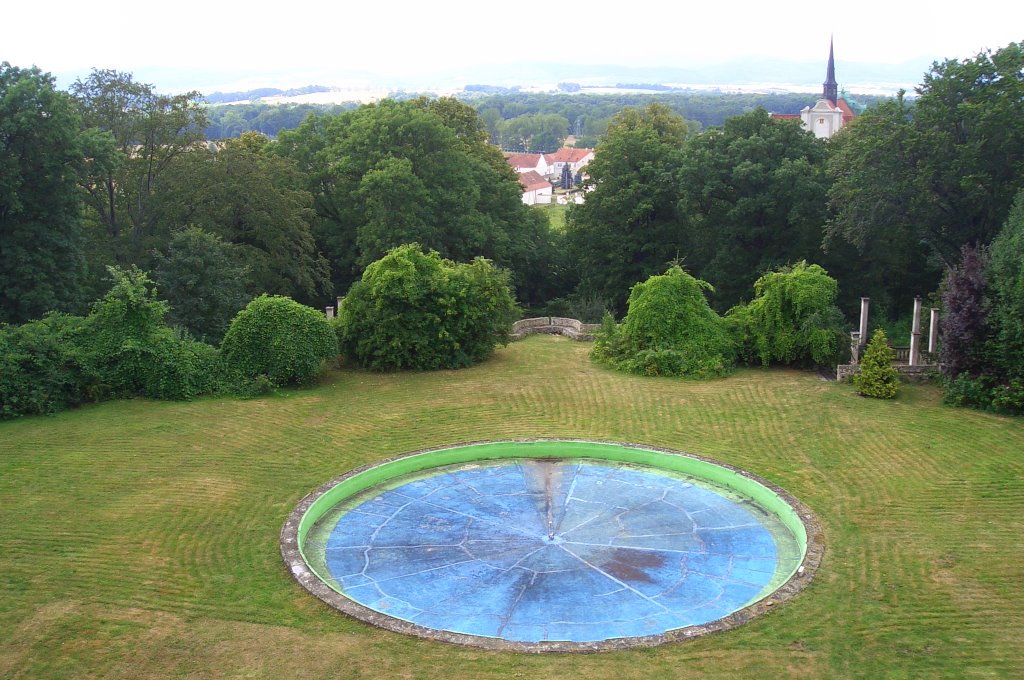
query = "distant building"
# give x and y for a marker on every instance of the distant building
(536, 170)
(830, 113)
(536, 189)
(525, 162)
(576, 159)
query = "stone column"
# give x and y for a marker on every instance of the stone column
(933, 331)
(330, 312)
(915, 334)
(862, 330)
(854, 347)
(340, 298)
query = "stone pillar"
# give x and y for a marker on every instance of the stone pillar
(915, 334)
(330, 312)
(862, 330)
(854, 348)
(340, 298)
(933, 331)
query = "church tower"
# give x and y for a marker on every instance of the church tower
(831, 89)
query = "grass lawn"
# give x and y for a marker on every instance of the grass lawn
(556, 215)
(140, 539)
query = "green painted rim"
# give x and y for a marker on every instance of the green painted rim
(793, 514)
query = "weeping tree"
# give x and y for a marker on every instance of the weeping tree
(669, 330)
(793, 318)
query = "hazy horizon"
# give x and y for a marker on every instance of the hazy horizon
(400, 45)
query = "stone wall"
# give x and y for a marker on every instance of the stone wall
(910, 373)
(554, 325)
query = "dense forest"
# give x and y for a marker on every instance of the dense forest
(914, 197)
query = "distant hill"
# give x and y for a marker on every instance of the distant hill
(260, 93)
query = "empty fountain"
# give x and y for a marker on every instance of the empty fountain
(549, 545)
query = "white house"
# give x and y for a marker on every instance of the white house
(536, 189)
(525, 162)
(576, 159)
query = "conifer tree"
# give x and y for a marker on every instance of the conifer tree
(877, 377)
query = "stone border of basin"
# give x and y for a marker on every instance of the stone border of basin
(299, 521)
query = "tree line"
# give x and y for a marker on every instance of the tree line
(115, 173)
(527, 122)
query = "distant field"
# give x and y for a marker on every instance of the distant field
(556, 214)
(139, 539)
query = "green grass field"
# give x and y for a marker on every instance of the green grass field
(556, 215)
(140, 539)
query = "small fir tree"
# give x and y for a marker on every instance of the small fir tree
(877, 377)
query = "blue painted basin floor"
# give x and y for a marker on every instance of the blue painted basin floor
(530, 550)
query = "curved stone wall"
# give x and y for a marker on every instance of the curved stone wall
(554, 325)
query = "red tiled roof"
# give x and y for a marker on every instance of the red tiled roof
(523, 160)
(531, 181)
(567, 155)
(848, 113)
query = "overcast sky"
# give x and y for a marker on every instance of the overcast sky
(392, 38)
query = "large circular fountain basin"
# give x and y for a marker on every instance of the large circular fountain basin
(550, 545)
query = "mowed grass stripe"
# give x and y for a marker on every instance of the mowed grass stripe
(139, 539)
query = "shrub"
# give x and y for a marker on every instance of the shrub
(413, 309)
(791, 320)
(174, 366)
(669, 329)
(877, 378)
(276, 337)
(965, 329)
(123, 348)
(127, 343)
(985, 392)
(1009, 397)
(41, 369)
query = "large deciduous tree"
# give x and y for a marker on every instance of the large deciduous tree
(879, 202)
(41, 157)
(396, 172)
(628, 228)
(970, 115)
(534, 132)
(149, 131)
(913, 185)
(752, 199)
(255, 200)
(204, 280)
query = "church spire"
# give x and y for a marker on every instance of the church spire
(831, 90)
